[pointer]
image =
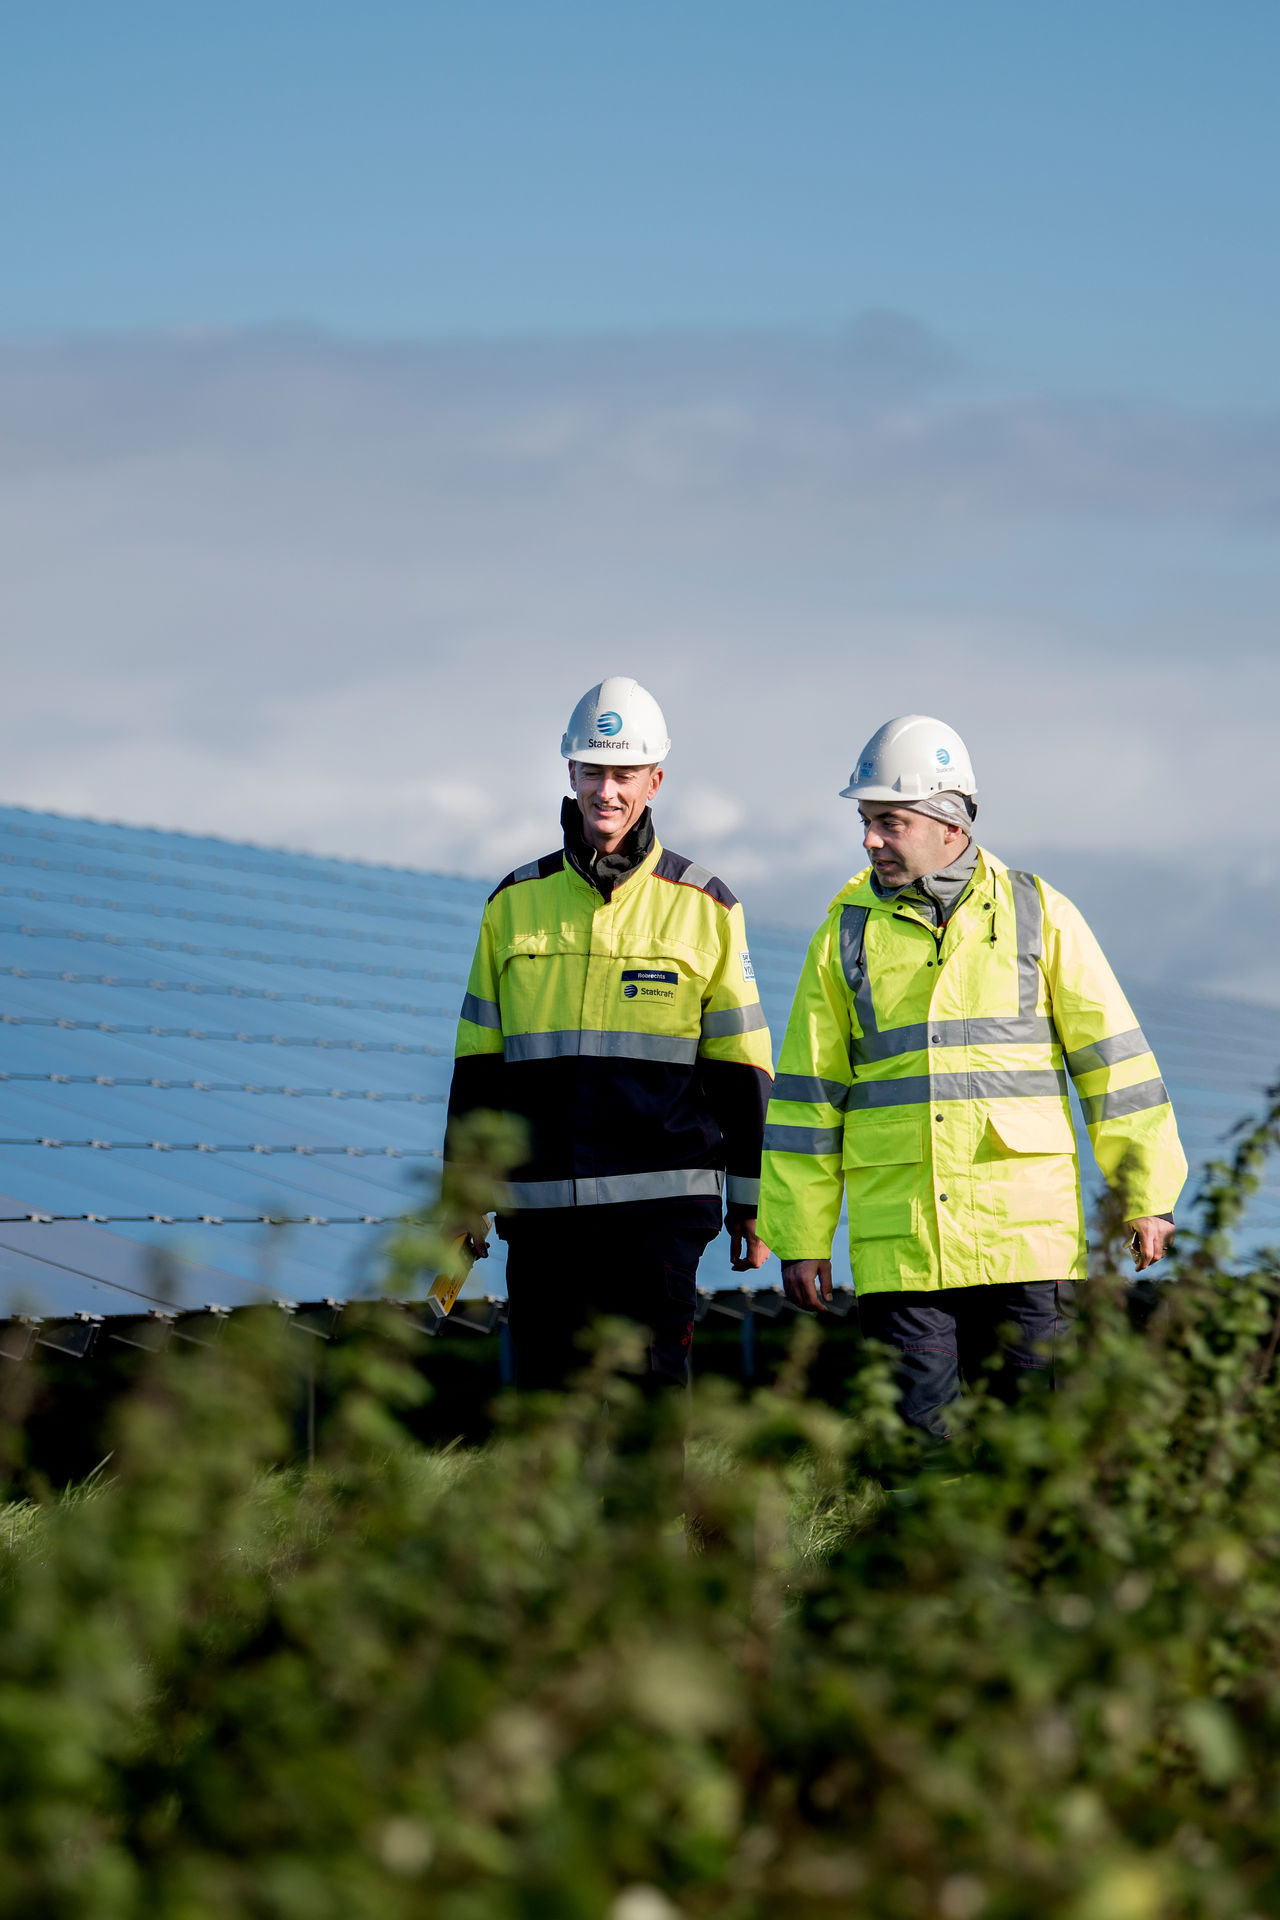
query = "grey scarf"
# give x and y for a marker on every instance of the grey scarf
(936, 895)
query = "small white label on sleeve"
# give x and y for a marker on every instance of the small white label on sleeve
(748, 971)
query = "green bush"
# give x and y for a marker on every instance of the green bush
(636, 1657)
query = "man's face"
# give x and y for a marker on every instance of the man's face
(904, 846)
(611, 800)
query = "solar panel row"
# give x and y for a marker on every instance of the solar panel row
(180, 1090)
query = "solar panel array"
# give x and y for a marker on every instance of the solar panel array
(199, 1036)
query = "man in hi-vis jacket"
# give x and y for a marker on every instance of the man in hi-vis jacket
(943, 1004)
(612, 1006)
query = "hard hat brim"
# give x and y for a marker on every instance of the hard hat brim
(886, 794)
(891, 797)
(598, 760)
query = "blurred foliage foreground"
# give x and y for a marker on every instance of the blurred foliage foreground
(639, 1658)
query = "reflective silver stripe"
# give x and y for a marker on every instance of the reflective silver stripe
(913, 1039)
(853, 962)
(719, 1025)
(589, 1043)
(1029, 915)
(1108, 1052)
(779, 1139)
(481, 1013)
(540, 1193)
(1112, 1106)
(695, 876)
(918, 1089)
(809, 1088)
(678, 1184)
(741, 1192)
(998, 1030)
(993, 1030)
(541, 1046)
(615, 1189)
(528, 872)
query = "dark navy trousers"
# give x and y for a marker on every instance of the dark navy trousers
(569, 1266)
(943, 1338)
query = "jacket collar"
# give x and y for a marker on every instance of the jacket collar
(935, 896)
(859, 891)
(607, 873)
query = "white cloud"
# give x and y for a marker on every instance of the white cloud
(342, 597)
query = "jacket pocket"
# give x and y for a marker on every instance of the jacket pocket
(1030, 1170)
(542, 993)
(1024, 1126)
(882, 1155)
(882, 1142)
(884, 1220)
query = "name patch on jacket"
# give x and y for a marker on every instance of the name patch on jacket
(649, 983)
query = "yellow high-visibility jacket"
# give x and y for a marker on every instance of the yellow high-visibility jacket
(926, 1072)
(627, 1032)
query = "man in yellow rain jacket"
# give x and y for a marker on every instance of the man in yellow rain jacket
(612, 1005)
(943, 1004)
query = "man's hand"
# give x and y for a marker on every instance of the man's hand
(808, 1283)
(756, 1253)
(474, 1230)
(1150, 1240)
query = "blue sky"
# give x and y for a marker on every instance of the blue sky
(1082, 194)
(366, 369)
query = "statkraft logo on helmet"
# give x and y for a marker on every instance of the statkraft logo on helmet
(619, 719)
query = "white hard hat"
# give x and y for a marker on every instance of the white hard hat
(909, 759)
(617, 722)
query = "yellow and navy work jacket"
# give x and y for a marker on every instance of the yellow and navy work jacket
(625, 1030)
(926, 1071)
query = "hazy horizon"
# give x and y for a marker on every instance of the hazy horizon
(341, 596)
